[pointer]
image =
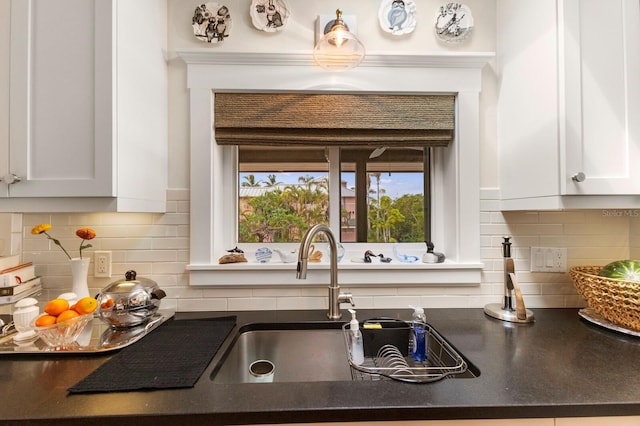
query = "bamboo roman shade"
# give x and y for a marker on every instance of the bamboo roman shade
(335, 119)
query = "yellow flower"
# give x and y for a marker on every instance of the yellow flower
(83, 233)
(39, 229)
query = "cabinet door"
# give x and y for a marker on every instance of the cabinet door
(600, 44)
(60, 137)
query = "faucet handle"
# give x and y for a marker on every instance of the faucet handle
(346, 298)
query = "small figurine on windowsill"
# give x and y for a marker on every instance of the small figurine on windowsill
(430, 256)
(232, 258)
(235, 255)
(287, 256)
(314, 255)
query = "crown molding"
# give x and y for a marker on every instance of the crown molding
(373, 59)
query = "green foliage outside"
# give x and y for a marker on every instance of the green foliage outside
(411, 229)
(285, 215)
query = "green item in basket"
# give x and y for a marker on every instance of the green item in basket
(627, 270)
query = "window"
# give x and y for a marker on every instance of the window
(283, 191)
(455, 212)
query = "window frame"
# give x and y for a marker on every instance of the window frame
(456, 216)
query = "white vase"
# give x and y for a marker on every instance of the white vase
(79, 272)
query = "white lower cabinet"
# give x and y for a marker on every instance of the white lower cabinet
(87, 107)
(490, 422)
(569, 102)
(599, 421)
(560, 421)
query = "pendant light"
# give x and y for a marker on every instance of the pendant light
(338, 49)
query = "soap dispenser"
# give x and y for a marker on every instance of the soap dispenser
(356, 344)
(418, 346)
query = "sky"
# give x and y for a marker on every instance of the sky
(395, 184)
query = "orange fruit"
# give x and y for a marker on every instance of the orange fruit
(107, 304)
(45, 320)
(86, 305)
(56, 306)
(68, 314)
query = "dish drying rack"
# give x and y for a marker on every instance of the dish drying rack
(389, 362)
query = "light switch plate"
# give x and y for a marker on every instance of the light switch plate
(548, 259)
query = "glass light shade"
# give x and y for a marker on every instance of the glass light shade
(338, 49)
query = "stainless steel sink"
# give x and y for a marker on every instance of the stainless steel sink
(299, 352)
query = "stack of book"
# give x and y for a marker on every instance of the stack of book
(17, 280)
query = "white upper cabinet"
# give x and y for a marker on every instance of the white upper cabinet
(88, 107)
(569, 103)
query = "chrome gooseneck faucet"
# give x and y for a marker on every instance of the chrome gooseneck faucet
(506, 311)
(335, 297)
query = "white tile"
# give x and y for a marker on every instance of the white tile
(275, 292)
(252, 304)
(227, 293)
(169, 243)
(183, 207)
(199, 305)
(169, 268)
(178, 194)
(172, 219)
(151, 256)
(296, 303)
(125, 243)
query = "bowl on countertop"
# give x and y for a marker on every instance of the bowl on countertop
(62, 334)
(129, 302)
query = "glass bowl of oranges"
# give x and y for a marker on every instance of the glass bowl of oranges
(60, 324)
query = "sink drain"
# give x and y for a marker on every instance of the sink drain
(262, 370)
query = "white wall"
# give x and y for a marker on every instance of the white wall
(157, 245)
(299, 36)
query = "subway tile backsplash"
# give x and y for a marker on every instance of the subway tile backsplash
(157, 246)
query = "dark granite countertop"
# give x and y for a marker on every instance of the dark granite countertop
(560, 366)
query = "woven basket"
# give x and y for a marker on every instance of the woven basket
(617, 301)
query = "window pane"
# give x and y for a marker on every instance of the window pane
(282, 192)
(383, 198)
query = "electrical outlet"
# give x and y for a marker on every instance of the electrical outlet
(548, 259)
(102, 267)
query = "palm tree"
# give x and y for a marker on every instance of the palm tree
(272, 181)
(250, 181)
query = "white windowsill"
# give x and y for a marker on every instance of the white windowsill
(276, 273)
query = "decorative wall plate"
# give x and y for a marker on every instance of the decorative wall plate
(269, 15)
(211, 22)
(454, 22)
(397, 17)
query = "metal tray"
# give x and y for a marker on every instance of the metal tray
(593, 317)
(97, 337)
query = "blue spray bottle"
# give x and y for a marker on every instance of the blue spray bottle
(418, 334)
